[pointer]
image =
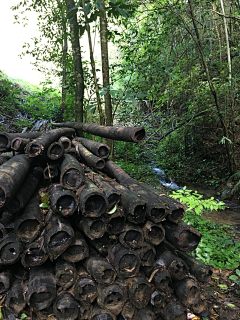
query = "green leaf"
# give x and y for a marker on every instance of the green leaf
(123, 12)
(231, 305)
(223, 286)
(97, 4)
(113, 210)
(23, 316)
(233, 277)
(113, 1)
(88, 8)
(43, 205)
(238, 272)
(0, 313)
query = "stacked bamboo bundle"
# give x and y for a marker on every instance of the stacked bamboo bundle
(81, 239)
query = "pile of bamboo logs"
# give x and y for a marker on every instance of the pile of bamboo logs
(81, 239)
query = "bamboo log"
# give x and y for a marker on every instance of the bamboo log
(201, 308)
(201, 271)
(42, 288)
(158, 299)
(116, 222)
(62, 201)
(5, 281)
(65, 307)
(99, 314)
(125, 261)
(139, 290)
(26, 191)
(15, 301)
(85, 288)
(174, 310)
(103, 244)
(88, 157)
(39, 146)
(131, 237)
(27, 226)
(159, 277)
(182, 236)
(145, 314)
(92, 201)
(100, 150)
(78, 250)
(3, 231)
(65, 274)
(66, 142)
(50, 172)
(153, 233)
(10, 250)
(55, 151)
(12, 173)
(175, 265)
(19, 144)
(6, 218)
(4, 158)
(134, 206)
(93, 228)
(100, 269)
(72, 174)
(128, 311)
(34, 255)
(112, 297)
(130, 134)
(59, 235)
(187, 291)
(6, 138)
(147, 254)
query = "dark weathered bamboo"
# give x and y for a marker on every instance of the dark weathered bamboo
(159, 277)
(55, 151)
(158, 299)
(40, 145)
(128, 311)
(5, 281)
(12, 174)
(187, 291)
(131, 134)
(131, 237)
(92, 201)
(66, 307)
(112, 297)
(10, 250)
(147, 254)
(78, 250)
(145, 314)
(100, 269)
(42, 288)
(72, 174)
(6, 138)
(50, 172)
(26, 191)
(99, 314)
(139, 290)
(182, 236)
(42, 314)
(4, 159)
(35, 254)
(3, 231)
(134, 206)
(85, 288)
(100, 150)
(66, 142)
(153, 233)
(93, 228)
(6, 217)
(15, 301)
(65, 274)
(103, 244)
(62, 201)
(88, 157)
(58, 235)
(174, 310)
(201, 308)
(175, 265)
(125, 261)
(28, 225)
(19, 144)
(116, 222)
(201, 271)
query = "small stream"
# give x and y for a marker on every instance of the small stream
(231, 215)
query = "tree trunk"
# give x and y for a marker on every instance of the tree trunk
(79, 93)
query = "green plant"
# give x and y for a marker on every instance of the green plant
(236, 278)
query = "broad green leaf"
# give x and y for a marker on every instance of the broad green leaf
(113, 210)
(238, 272)
(233, 277)
(44, 198)
(43, 205)
(223, 286)
(88, 8)
(23, 316)
(231, 305)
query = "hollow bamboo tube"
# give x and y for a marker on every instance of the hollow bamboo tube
(6, 138)
(91, 160)
(98, 314)
(55, 151)
(131, 237)
(78, 250)
(65, 274)
(6, 217)
(62, 201)
(187, 291)
(145, 314)
(100, 150)
(116, 222)
(19, 144)
(34, 255)
(10, 250)
(201, 308)
(92, 201)
(159, 277)
(59, 235)
(65, 307)
(174, 310)
(153, 233)
(50, 172)
(12, 173)
(15, 301)
(128, 311)
(28, 225)
(72, 174)
(40, 145)
(93, 228)
(66, 142)
(5, 281)
(158, 299)
(147, 254)
(42, 288)
(103, 244)
(139, 290)
(131, 134)
(4, 158)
